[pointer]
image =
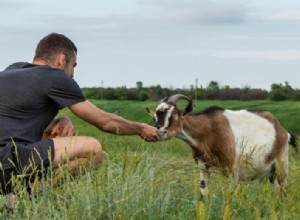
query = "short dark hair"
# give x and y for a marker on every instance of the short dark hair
(53, 44)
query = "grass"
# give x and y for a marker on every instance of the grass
(140, 180)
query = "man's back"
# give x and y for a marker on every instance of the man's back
(30, 97)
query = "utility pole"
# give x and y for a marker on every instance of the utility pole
(196, 86)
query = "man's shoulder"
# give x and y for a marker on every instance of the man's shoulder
(17, 65)
(35, 70)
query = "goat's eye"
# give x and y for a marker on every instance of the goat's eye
(159, 113)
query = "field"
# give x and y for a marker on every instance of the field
(140, 180)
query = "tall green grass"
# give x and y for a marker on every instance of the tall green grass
(140, 180)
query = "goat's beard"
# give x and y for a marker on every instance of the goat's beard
(163, 135)
(166, 135)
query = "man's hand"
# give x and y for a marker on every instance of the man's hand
(60, 127)
(149, 133)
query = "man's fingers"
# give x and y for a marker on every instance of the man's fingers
(150, 134)
(151, 138)
(55, 130)
(64, 128)
(64, 132)
(67, 131)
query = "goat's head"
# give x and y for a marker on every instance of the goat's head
(168, 117)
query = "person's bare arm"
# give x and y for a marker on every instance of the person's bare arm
(113, 123)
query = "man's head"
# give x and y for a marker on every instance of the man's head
(58, 51)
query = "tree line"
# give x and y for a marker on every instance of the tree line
(278, 92)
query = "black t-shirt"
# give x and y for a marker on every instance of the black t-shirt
(30, 98)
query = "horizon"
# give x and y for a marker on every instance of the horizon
(189, 87)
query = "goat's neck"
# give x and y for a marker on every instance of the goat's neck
(193, 128)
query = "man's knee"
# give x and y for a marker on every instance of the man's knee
(96, 149)
(76, 147)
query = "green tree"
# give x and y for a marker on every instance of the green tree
(143, 96)
(212, 90)
(139, 85)
(277, 92)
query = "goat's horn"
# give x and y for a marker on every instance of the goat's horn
(173, 99)
(164, 100)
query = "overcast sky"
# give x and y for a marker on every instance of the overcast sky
(238, 43)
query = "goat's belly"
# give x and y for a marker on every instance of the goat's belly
(245, 171)
(248, 171)
(251, 161)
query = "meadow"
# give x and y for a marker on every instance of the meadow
(140, 180)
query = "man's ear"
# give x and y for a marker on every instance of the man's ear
(60, 61)
(151, 112)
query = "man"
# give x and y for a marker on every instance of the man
(31, 94)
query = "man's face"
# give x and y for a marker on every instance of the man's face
(69, 67)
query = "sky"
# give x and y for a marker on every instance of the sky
(172, 43)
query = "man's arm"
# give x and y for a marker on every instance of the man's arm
(113, 123)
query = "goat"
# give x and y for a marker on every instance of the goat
(246, 144)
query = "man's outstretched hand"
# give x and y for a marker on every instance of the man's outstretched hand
(149, 133)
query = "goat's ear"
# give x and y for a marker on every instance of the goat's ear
(189, 108)
(151, 112)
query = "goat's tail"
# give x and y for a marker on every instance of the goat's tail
(293, 141)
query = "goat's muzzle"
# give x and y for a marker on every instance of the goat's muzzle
(163, 134)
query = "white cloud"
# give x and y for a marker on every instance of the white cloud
(8, 5)
(197, 11)
(246, 54)
(260, 38)
(293, 15)
(276, 16)
(269, 54)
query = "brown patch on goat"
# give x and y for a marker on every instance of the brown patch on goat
(213, 131)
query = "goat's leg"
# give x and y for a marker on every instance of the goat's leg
(282, 169)
(273, 174)
(204, 178)
(279, 171)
